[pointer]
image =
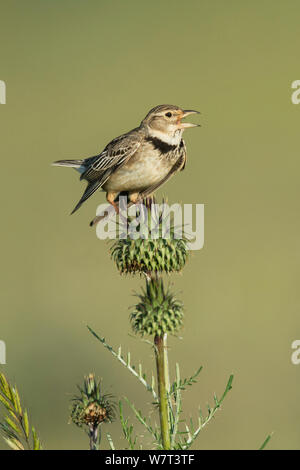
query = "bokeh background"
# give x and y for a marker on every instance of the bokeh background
(79, 73)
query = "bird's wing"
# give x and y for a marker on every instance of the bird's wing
(100, 167)
(178, 166)
(115, 154)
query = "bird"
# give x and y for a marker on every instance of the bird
(139, 162)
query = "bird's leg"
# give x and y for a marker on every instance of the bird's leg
(142, 204)
(110, 197)
(134, 197)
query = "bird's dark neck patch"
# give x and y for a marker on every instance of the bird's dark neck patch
(160, 145)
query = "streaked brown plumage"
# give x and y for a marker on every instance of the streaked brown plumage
(138, 162)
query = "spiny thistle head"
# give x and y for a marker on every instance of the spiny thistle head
(150, 255)
(144, 256)
(150, 242)
(92, 408)
(158, 311)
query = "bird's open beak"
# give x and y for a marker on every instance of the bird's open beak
(186, 125)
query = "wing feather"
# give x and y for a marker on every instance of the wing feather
(90, 189)
(115, 154)
(100, 167)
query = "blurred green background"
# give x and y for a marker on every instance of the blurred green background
(79, 73)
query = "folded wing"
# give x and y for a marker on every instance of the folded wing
(99, 168)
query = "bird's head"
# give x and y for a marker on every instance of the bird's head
(164, 122)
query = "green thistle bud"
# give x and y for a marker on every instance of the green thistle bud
(158, 311)
(151, 255)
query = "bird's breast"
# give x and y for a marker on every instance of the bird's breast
(145, 168)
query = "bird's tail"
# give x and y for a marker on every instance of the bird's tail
(72, 163)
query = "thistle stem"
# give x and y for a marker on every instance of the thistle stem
(162, 379)
(93, 433)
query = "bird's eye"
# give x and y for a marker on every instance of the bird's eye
(168, 114)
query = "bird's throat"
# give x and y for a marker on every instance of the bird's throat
(165, 137)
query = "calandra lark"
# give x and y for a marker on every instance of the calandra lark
(139, 162)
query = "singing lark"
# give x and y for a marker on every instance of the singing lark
(139, 162)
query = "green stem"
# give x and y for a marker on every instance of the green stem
(167, 377)
(93, 434)
(162, 378)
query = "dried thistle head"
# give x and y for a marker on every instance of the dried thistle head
(157, 312)
(95, 414)
(92, 408)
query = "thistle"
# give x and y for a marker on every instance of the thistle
(153, 246)
(91, 409)
(144, 256)
(158, 311)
